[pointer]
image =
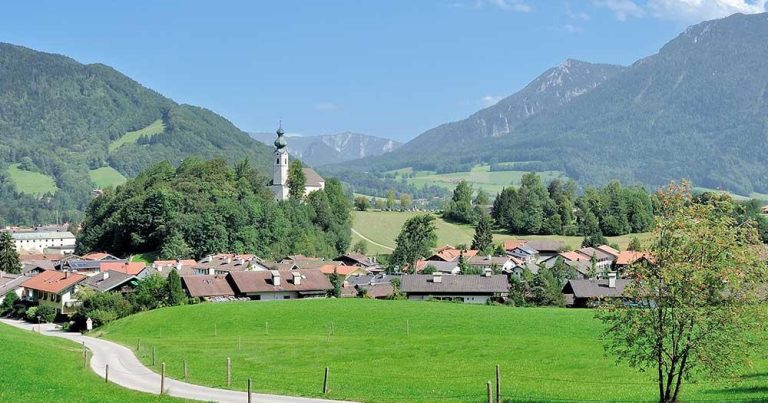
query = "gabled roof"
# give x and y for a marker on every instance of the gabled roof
(424, 283)
(39, 235)
(478, 260)
(10, 282)
(597, 253)
(439, 265)
(571, 256)
(629, 257)
(358, 258)
(167, 263)
(246, 282)
(53, 281)
(113, 280)
(133, 268)
(510, 244)
(312, 177)
(340, 269)
(609, 250)
(594, 288)
(98, 256)
(450, 255)
(207, 286)
(546, 245)
(379, 290)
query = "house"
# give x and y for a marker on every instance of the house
(451, 254)
(609, 250)
(474, 289)
(495, 263)
(342, 270)
(206, 287)
(439, 266)
(13, 283)
(39, 241)
(358, 259)
(376, 291)
(279, 183)
(567, 256)
(226, 263)
(629, 257)
(276, 284)
(603, 260)
(137, 269)
(524, 253)
(546, 247)
(54, 288)
(520, 267)
(587, 293)
(98, 256)
(111, 281)
(82, 266)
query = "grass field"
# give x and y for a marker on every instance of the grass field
(105, 177)
(37, 368)
(154, 128)
(754, 195)
(146, 257)
(33, 183)
(383, 226)
(451, 350)
(480, 177)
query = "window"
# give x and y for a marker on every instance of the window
(286, 297)
(278, 161)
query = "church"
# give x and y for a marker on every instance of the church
(279, 183)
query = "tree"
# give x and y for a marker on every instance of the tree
(481, 199)
(176, 295)
(635, 244)
(175, 248)
(361, 203)
(390, 199)
(459, 208)
(336, 282)
(483, 239)
(405, 201)
(9, 258)
(8, 302)
(360, 247)
(46, 313)
(463, 265)
(151, 293)
(696, 304)
(415, 241)
(297, 182)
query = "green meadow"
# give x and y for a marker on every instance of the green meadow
(391, 351)
(105, 177)
(382, 227)
(480, 177)
(153, 129)
(33, 183)
(38, 368)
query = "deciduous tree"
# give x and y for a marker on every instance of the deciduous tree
(415, 241)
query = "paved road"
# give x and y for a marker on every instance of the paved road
(126, 370)
(356, 232)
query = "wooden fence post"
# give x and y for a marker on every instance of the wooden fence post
(106, 373)
(162, 378)
(250, 389)
(229, 372)
(85, 358)
(215, 330)
(238, 343)
(186, 371)
(407, 327)
(138, 344)
(498, 384)
(154, 355)
(488, 389)
(325, 382)
(266, 328)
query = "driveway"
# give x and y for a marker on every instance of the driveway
(126, 370)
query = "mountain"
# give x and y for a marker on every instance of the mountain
(698, 109)
(331, 148)
(70, 123)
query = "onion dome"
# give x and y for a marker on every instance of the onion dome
(280, 142)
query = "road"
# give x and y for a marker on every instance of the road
(356, 232)
(126, 370)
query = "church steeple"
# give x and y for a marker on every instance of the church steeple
(280, 167)
(280, 142)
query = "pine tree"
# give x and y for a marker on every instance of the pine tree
(9, 258)
(176, 294)
(463, 265)
(483, 239)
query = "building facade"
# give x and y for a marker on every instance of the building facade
(280, 166)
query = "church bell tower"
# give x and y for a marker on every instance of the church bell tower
(280, 167)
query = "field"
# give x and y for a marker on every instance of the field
(759, 196)
(480, 177)
(45, 369)
(105, 177)
(154, 128)
(382, 228)
(32, 183)
(447, 354)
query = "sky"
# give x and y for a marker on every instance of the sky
(391, 68)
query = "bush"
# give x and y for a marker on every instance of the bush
(8, 303)
(31, 314)
(46, 313)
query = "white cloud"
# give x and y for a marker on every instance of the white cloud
(699, 10)
(490, 100)
(622, 9)
(572, 29)
(512, 5)
(575, 15)
(325, 106)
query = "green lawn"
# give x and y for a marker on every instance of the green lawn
(154, 128)
(480, 177)
(383, 226)
(33, 183)
(105, 177)
(38, 368)
(146, 257)
(452, 349)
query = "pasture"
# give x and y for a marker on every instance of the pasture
(391, 351)
(105, 177)
(480, 177)
(32, 183)
(153, 129)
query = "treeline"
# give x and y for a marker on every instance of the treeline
(371, 184)
(205, 207)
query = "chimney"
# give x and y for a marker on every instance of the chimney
(66, 273)
(437, 277)
(241, 262)
(178, 266)
(296, 278)
(612, 280)
(487, 272)
(229, 260)
(208, 259)
(105, 275)
(275, 278)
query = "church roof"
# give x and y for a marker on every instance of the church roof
(313, 178)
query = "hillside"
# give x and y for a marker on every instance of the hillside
(62, 121)
(448, 353)
(696, 110)
(331, 148)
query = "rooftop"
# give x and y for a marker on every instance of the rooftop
(496, 283)
(53, 281)
(42, 235)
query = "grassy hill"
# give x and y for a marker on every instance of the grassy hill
(451, 351)
(32, 183)
(132, 137)
(382, 228)
(480, 176)
(105, 177)
(45, 369)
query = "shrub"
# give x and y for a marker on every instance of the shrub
(46, 313)
(8, 303)
(31, 314)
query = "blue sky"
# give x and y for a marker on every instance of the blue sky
(392, 68)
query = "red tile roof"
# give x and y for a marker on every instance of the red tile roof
(629, 257)
(96, 256)
(132, 268)
(340, 269)
(573, 256)
(510, 244)
(165, 263)
(53, 281)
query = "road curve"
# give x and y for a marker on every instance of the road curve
(127, 371)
